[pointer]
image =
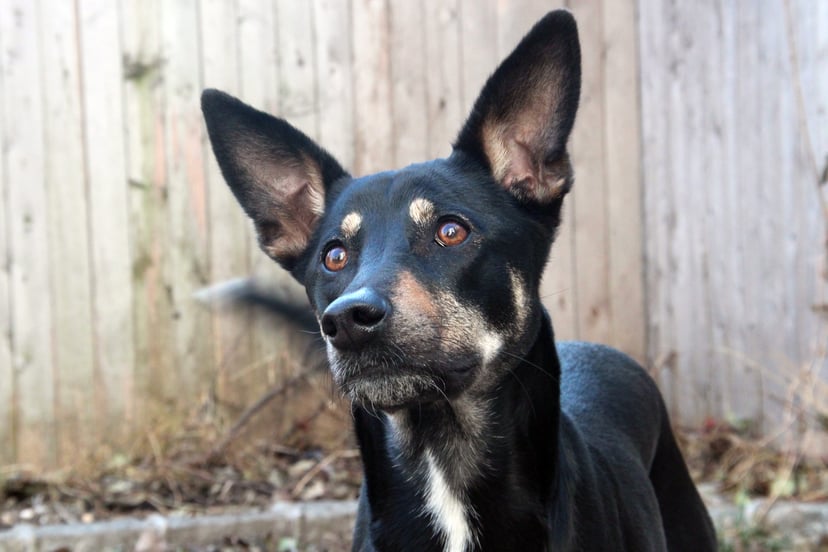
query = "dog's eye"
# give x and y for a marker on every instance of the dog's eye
(451, 233)
(336, 257)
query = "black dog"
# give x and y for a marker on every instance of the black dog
(476, 432)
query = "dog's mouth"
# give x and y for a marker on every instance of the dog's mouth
(387, 383)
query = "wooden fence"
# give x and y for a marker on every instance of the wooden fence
(735, 163)
(693, 239)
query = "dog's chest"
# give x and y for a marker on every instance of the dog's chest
(447, 510)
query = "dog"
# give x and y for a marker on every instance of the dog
(477, 431)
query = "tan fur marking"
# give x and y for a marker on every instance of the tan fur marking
(351, 225)
(316, 187)
(520, 299)
(421, 211)
(410, 295)
(494, 145)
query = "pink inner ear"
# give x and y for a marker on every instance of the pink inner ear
(519, 167)
(287, 239)
(294, 196)
(516, 157)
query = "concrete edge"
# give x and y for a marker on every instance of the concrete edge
(307, 522)
(284, 520)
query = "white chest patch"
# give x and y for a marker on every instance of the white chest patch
(445, 509)
(490, 344)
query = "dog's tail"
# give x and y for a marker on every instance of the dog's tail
(687, 524)
(246, 292)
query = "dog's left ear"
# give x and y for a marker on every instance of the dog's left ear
(279, 175)
(521, 121)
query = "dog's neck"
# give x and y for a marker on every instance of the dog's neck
(474, 467)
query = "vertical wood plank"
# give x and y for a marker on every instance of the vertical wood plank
(229, 228)
(8, 396)
(814, 278)
(409, 94)
(659, 217)
(108, 210)
(749, 403)
(258, 54)
(766, 352)
(780, 132)
(24, 161)
(516, 17)
(589, 195)
(297, 65)
(372, 86)
(479, 54)
(189, 264)
(804, 28)
(445, 110)
(686, 177)
(818, 106)
(724, 271)
(707, 225)
(145, 27)
(69, 255)
(333, 78)
(623, 179)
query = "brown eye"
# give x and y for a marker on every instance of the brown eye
(451, 233)
(336, 258)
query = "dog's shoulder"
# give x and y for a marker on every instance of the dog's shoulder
(609, 396)
(591, 369)
(613, 417)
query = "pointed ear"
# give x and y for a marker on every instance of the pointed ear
(521, 121)
(278, 175)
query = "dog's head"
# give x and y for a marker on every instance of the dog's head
(425, 279)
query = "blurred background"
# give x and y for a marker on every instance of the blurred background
(694, 238)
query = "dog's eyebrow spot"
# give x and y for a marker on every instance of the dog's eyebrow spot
(519, 297)
(351, 224)
(421, 211)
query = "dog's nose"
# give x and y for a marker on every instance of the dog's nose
(353, 320)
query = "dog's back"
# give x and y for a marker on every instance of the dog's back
(616, 417)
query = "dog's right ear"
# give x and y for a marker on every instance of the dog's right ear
(521, 121)
(278, 174)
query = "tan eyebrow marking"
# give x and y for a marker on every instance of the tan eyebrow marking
(351, 224)
(421, 211)
(520, 297)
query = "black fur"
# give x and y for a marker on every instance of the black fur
(477, 431)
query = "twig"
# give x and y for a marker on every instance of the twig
(300, 425)
(321, 465)
(251, 411)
